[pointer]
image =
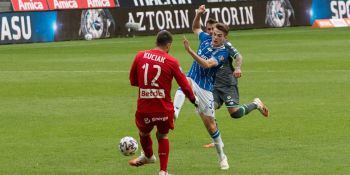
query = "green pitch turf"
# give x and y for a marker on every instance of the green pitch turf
(64, 106)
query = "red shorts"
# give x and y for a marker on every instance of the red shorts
(146, 121)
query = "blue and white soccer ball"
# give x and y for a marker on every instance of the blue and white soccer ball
(128, 146)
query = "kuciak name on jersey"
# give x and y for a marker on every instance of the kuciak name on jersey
(154, 57)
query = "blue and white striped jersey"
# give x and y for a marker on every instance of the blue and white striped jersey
(205, 77)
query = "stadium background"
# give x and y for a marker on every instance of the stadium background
(74, 22)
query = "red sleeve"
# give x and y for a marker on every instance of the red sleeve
(183, 82)
(133, 72)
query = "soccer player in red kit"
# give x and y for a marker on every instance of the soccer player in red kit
(152, 71)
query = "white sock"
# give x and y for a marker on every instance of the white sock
(219, 145)
(179, 100)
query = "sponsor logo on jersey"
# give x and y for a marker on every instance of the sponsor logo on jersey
(154, 119)
(151, 93)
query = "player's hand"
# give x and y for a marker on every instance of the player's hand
(195, 102)
(187, 44)
(237, 73)
(201, 9)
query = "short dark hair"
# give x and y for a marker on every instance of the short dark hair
(163, 38)
(211, 21)
(222, 27)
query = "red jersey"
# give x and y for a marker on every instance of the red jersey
(153, 71)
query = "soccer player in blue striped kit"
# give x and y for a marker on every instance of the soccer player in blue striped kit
(209, 57)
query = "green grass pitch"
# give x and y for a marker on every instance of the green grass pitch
(64, 106)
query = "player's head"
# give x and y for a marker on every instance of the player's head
(220, 33)
(209, 26)
(164, 40)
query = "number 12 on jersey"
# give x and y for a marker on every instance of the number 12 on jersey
(145, 75)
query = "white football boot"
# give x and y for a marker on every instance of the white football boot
(224, 164)
(261, 107)
(163, 173)
(142, 160)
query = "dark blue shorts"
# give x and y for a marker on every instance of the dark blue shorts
(227, 94)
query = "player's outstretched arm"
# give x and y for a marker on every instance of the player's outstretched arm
(203, 62)
(238, 63)
(237, 57)
(182, 81)
(196, 25)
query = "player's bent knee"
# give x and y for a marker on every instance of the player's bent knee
(216, 106)
(236, 115)
(161, 136)
(142, 134)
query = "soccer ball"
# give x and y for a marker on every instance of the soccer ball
(128, 146)
(88, 37)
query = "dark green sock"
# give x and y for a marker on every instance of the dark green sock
(249, 107)
(243, 110)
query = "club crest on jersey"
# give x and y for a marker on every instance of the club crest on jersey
(147, 121)
(210, 49)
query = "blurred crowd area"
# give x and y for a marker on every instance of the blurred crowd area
(5, 6)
